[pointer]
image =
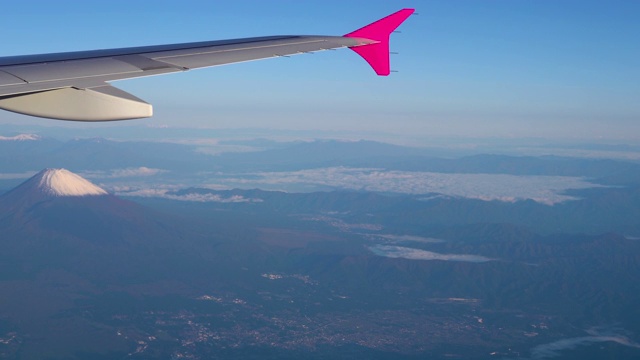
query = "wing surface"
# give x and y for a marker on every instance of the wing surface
(74, 85)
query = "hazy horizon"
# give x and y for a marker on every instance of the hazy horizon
(544, 69)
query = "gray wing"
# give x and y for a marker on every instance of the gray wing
(74, 86)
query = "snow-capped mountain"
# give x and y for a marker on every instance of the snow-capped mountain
(62, 182)
(60, 221)
(59, 201)
(53, 183)
(21, 137)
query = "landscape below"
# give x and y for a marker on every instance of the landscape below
(199, 272)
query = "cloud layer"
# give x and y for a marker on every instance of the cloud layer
(166, 194)
(122, 173)
(502, 187)
(409, 238)
(417, 254)
(554, 349)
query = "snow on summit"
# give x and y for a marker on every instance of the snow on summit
(21, 137)
(62, 182)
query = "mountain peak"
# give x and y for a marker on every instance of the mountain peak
(62, 182)
(21, 137)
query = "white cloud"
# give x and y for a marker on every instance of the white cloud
(211, 198)
(544, 189)
(134, 172)
(165, 194)
(127, 191)
(417, 254)
(554, 349)
(123, 173)
(409, 238)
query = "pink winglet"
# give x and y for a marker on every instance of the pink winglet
(377, 54)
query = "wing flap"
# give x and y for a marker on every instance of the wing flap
(102, 103)
(8, 79)
(70, 69)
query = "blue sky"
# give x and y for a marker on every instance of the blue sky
(550, 69)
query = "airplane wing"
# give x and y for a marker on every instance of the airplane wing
(75, 85)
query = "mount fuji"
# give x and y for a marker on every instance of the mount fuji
(57, 219)
(57, 183)
(59, 201)
(67, 244)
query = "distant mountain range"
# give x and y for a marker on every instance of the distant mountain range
(102, 154)
(96, 154)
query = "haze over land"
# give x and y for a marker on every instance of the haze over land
(244, 246)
